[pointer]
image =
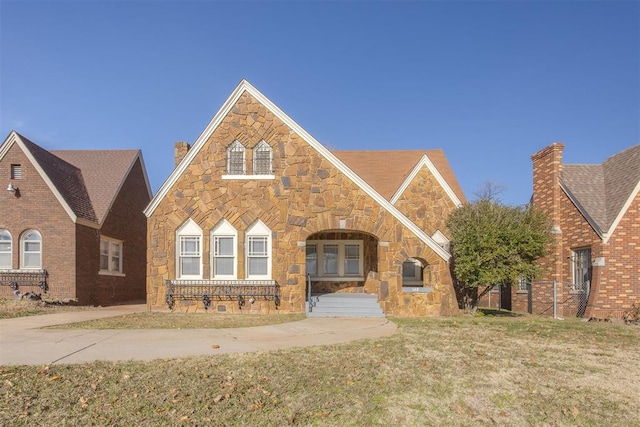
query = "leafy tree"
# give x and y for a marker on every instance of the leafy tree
(495, 244)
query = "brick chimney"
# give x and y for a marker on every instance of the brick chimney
(547, 196)
(180, 150)
(547, 167)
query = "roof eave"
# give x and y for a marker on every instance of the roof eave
(426, 162)
(582, 210)
(622, 213)
(14, 137)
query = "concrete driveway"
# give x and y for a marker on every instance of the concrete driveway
(22, 342)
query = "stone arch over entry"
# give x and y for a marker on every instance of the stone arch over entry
(340, 260)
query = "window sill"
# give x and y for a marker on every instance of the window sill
(245, 177)
(416, 290)
(110, 273)
(522, 291)
(338, 279)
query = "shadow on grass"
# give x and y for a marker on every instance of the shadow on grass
(499, 313)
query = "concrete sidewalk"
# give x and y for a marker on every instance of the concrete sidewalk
(23, 343)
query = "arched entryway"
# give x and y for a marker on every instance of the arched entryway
(340, 261)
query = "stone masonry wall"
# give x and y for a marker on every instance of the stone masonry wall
(307, 196)
(425, 203)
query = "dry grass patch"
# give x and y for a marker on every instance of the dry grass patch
(440, 372)
(163, 320)
(12, 308)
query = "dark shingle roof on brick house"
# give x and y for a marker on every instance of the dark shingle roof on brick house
(103, 172)
(87, 180)
(601, 191)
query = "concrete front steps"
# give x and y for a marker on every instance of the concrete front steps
(345, 305)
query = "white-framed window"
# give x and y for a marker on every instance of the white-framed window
(189, 251)
(262, 159)
(31, 249)
(6, 249)
(236, 159)
(258, 251)
(224, 244)
(110, 255)
(581, 259)
(335, 259)
(412, 272)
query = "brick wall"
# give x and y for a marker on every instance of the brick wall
(307, 196)
(614, 286)
(127, 223)
(37, 208)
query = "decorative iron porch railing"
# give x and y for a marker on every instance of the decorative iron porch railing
(19, 279)
(229, 290)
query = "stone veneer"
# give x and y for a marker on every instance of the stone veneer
(308, 195)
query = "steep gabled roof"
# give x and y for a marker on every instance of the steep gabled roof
(85, 182)
(604, 192)
(390, 171)
(103, 172)
(245, 86)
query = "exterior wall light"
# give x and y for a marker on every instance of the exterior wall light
(14, 190)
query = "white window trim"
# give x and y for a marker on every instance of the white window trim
(188, 229)
(10, 249)
(224, 229)
(108, 271)
(321, 277)
(247, 177)
(22, 251)
(258, 229)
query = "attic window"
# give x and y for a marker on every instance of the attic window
(16, 172)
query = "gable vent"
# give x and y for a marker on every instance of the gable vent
(16, 172)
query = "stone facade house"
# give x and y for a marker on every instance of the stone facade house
(71, 223)
(594, 264)
(257, 208)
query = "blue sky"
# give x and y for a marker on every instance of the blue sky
(490, 82)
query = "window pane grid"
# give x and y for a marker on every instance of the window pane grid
(110, 256)
(334, 259)
(5, 249)
(32, 250)
(223, 256)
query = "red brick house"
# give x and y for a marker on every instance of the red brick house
(71, 223)
(595, 261)
(257, 208)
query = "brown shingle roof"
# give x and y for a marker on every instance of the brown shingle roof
(87, 180)
(103, 172)
(602, 190)
(386, 170)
